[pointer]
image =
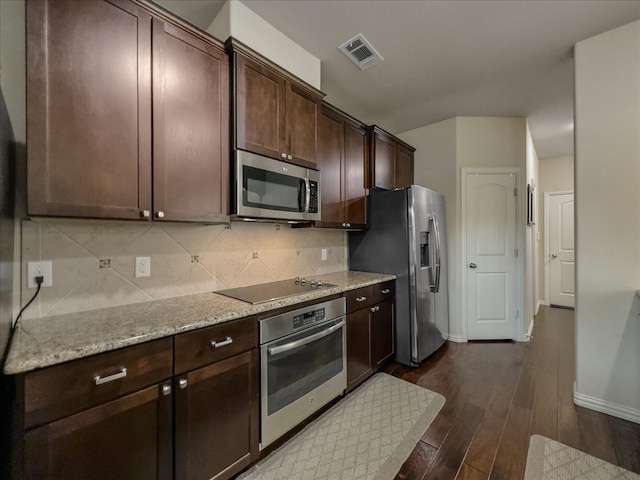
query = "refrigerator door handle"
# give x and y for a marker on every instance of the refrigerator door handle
(437, 235)
(425, 248)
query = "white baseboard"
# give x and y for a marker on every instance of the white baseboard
(456, 338)
(527, 336)
(602, 406)
(538, 305)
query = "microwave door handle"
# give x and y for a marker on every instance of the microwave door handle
(300, 196)
(307, 186)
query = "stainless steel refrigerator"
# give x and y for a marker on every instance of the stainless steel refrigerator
(406, 237)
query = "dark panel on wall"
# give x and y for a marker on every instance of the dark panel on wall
(7, 209)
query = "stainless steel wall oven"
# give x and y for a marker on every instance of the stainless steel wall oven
(303, 365)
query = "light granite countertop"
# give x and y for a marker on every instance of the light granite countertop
(47, 341)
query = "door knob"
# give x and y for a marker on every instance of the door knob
(473, 265)
(553, 255)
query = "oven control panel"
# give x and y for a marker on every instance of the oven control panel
(308, 318)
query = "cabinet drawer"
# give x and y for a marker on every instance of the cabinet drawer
(384, 291)
(359, 298)
(58, 391)
(196, 349)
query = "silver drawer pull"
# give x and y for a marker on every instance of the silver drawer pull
(227, 341)
(110, 378)
(361, 299)
(183, 382)
(386, 290)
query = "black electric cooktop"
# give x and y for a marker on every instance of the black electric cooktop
(266, 292)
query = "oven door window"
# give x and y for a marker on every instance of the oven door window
(295, 372)
(273, 191)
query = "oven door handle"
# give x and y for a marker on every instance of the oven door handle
(303, 341)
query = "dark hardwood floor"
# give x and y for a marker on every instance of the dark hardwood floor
(498, 394)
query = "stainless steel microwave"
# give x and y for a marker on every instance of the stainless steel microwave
(270, 189)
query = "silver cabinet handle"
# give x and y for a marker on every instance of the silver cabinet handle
(159, 214)
(289, 157)
(375, 309)
(344, 224)
(348, 224)
(554, 255)
(166, 390)
(283, 155)
(361, 299)
(145, 213)
(226, 341)
(182, 383)
(386, 290)
(110, 378)
(305, 340)
(473, 265)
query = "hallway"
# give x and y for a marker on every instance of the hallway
(498, 395)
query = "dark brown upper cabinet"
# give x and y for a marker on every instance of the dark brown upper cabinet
(104, 105)
(391, 164)
(190, 126)
(273, 113)
(342, 160)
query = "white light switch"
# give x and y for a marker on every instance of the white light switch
(324, 254)
(143, 267)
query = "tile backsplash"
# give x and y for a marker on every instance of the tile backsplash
(93, 261)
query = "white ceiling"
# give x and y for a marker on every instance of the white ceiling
(445, 58)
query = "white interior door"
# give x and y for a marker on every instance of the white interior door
(491, 263)
(561, 250)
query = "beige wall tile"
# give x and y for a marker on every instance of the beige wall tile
(168, 261)
(225, 259)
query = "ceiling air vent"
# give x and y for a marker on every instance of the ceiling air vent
(361, 52)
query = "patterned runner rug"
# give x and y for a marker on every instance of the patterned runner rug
(368, 435)
(551, 460)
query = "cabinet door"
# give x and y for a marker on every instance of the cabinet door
(404, 167)
(88, 108)
(130, 437)
(190, 127)
(260, 103)
(355, 161)
(216, 418)
(384, 162)
(382, 334)
(330, 151)
(358, 347)
(301, 122)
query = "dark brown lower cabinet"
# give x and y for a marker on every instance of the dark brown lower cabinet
(370, 341)
(216, 418)
(131, 437)
(382, 334)
(358, 347)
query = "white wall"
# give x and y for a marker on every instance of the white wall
(607, 186)
(237, 20)
(531, 293)
(442, 150)
(555, 175)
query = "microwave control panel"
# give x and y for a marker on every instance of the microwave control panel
(313, 201)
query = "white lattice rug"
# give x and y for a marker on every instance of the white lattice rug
(551, 460)
(368, 435)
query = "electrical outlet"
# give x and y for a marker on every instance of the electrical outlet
(143, 267)
(39, 269)
(324, 254)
